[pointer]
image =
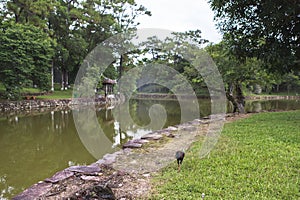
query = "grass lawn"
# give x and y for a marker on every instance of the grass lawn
(57, 94)
(255, 158)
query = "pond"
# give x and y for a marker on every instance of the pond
(34, 146)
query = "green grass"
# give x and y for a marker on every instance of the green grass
(255, 158)
(58, 94)
(24, 90)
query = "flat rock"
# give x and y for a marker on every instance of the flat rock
(152, 136)
(91, 170)
(90, 178)
(59, 176)
(131, 144)
(34, 191)
(140, 141)
(109, 159)
(172, 128)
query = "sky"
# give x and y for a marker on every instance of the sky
(180, 16)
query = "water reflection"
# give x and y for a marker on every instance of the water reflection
(34, 146)
(270, 105)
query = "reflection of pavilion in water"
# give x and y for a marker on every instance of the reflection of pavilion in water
(111, 127)
(113, 131)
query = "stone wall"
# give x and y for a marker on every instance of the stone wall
(6, 106)
(33, 104)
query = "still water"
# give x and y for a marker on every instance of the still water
(33, 146)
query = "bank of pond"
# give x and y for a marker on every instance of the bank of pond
(36, 144)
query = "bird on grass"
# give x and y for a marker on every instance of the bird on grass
(179, 156)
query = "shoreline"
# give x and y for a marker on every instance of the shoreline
(27, 105)
(125, 173)
(35, 104)
(271, 97)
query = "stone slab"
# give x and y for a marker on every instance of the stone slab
(152, 137)
(59, 176)
(35, 191)
(90, 170)
(132, 145)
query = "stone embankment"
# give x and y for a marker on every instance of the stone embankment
(117, 99)
(271, 97)
(6, 106)
(33, 104)
(126, 173)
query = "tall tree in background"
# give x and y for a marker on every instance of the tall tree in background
(76, 26)
(268, 30)
(238, 75)
(26, 54)
(125, 12)
(65, 23)
(169, 52)
(28, 11)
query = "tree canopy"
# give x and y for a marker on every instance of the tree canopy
(26, 54)
(267, 30)
(72, 28)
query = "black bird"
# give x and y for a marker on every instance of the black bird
(179, 156)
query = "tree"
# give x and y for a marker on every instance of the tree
(76, 26)
(26, 54)
(169, 52)
(29, 11)
(238, 74)
(267, 30)
(65, 23)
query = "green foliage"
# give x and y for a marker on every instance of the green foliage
(249, 72)
(255, 158)
(125, 12)
(33, 12)
(168, 53)
(76, 26)
(268, 30)
(290, 82)
(25, 54)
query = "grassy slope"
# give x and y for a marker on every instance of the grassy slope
(57, 94)
(255, 158)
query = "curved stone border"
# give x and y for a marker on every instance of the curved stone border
(94, 172)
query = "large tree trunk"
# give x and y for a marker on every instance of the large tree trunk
(121, 67)
(240, 98)
(64, 79)
(235, 95)
(52, 76)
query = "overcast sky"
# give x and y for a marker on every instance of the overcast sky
(179, 15)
